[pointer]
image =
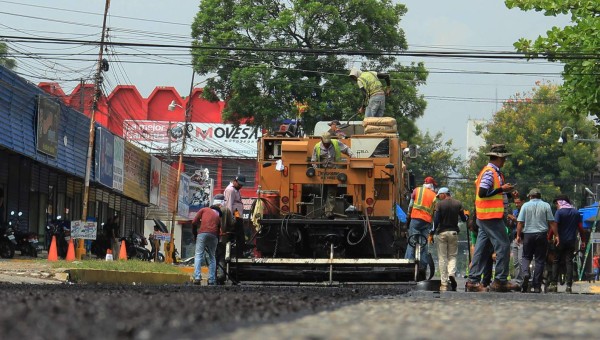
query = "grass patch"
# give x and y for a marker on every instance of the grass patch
(126, 266)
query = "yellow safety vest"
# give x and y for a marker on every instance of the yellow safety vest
(336, 148)
(370, 83)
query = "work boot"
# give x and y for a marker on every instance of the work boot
(475, 287)
(552, 287)
(525, 285)
(453, 284)
(568, 289)
(443, 288)
(503, 286)
(197, 282)
(537, 289)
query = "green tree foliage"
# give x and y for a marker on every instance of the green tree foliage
(530, 125)
(4, 60)
(264, 56)
(436, 159)
(576, 46)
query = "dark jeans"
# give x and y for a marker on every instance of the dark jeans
(534, 245)
(565, 252)
(240, 237)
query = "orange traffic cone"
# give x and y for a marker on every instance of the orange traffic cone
(109, 254)
(123, 251)
(52, 253)
(70, 251)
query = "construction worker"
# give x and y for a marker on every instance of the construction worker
(420, 210)
(491, 205)
(328, 151)
(233, 202)
(373, 91)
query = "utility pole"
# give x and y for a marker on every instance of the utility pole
(88, 168)
(170, 246)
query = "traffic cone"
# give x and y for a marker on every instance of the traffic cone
(52, 253)
(70, 251)
(109, 255)
(123, 251)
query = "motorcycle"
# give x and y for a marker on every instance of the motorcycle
(26, 241)
(62, 230)
(136, 244)
(8, 242)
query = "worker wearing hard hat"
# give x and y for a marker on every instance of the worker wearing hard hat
(373, 91)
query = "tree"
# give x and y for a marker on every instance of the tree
(263, 57)
(530, 125)
(436, 159)
(576, 46)
(4, 60)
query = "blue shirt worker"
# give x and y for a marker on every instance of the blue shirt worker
(535, 218)
(373, 91)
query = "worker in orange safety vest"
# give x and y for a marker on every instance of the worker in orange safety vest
(420, 210)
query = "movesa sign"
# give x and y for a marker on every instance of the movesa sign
(204, 139)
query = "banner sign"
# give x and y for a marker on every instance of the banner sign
(48, 118)
(84, 230)
(118, 161)
(155, 168)
(183, 205)
(203, 139)
(104, 156)
(162, 236)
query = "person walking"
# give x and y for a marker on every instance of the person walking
(233, 202)
(373, 92)
(208, 223)
(516, 249)
(445, 227)
(569, 224)
(420, 210)
(533, 223)
(491, 204)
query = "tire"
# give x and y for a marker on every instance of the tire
(160, 257)
(7, 250)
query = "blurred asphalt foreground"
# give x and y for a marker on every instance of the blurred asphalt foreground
(101, 311)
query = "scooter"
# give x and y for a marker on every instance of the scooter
(8, 242)
(27, 242)
(135, 245)
(62, 230)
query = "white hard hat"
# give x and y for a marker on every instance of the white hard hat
(355, 72)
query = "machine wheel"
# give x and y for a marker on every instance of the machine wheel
(7, 250)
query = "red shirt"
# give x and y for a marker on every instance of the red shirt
(596, 262)
(209, 220)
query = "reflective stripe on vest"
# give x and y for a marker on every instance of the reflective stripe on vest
(370, 82)
(336, 148)
(423, 204)
(488, 208)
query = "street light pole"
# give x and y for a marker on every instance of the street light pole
(170, 246)
(88, 169)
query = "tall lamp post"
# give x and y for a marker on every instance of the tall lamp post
(170, 246)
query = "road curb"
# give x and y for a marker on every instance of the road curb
(122, 277)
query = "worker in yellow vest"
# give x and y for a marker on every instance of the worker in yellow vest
(491, 204)
(328, 151)
(420, 210)
(374, 92)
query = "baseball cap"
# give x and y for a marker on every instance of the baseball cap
(430, 180)
(219, 199)
(337, 122)
(326, 138)
(444, 190)
(241, 179)
(534, 191)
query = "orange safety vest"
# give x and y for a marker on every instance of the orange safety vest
(423, 204)
(488, 208)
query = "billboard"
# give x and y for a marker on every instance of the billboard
(48, 117)
(203, 139)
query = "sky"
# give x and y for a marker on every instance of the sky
(457, 89)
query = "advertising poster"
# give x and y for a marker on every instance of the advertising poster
(201, 188)
(137, 173)
(48, 119)
(104, 157)
(183, 206)
(155, 168)
(84, 230)
(118, 159)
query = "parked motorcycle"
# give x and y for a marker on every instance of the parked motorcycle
(26, 241)
(136, 244)
(8, 242)
(62, 230)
